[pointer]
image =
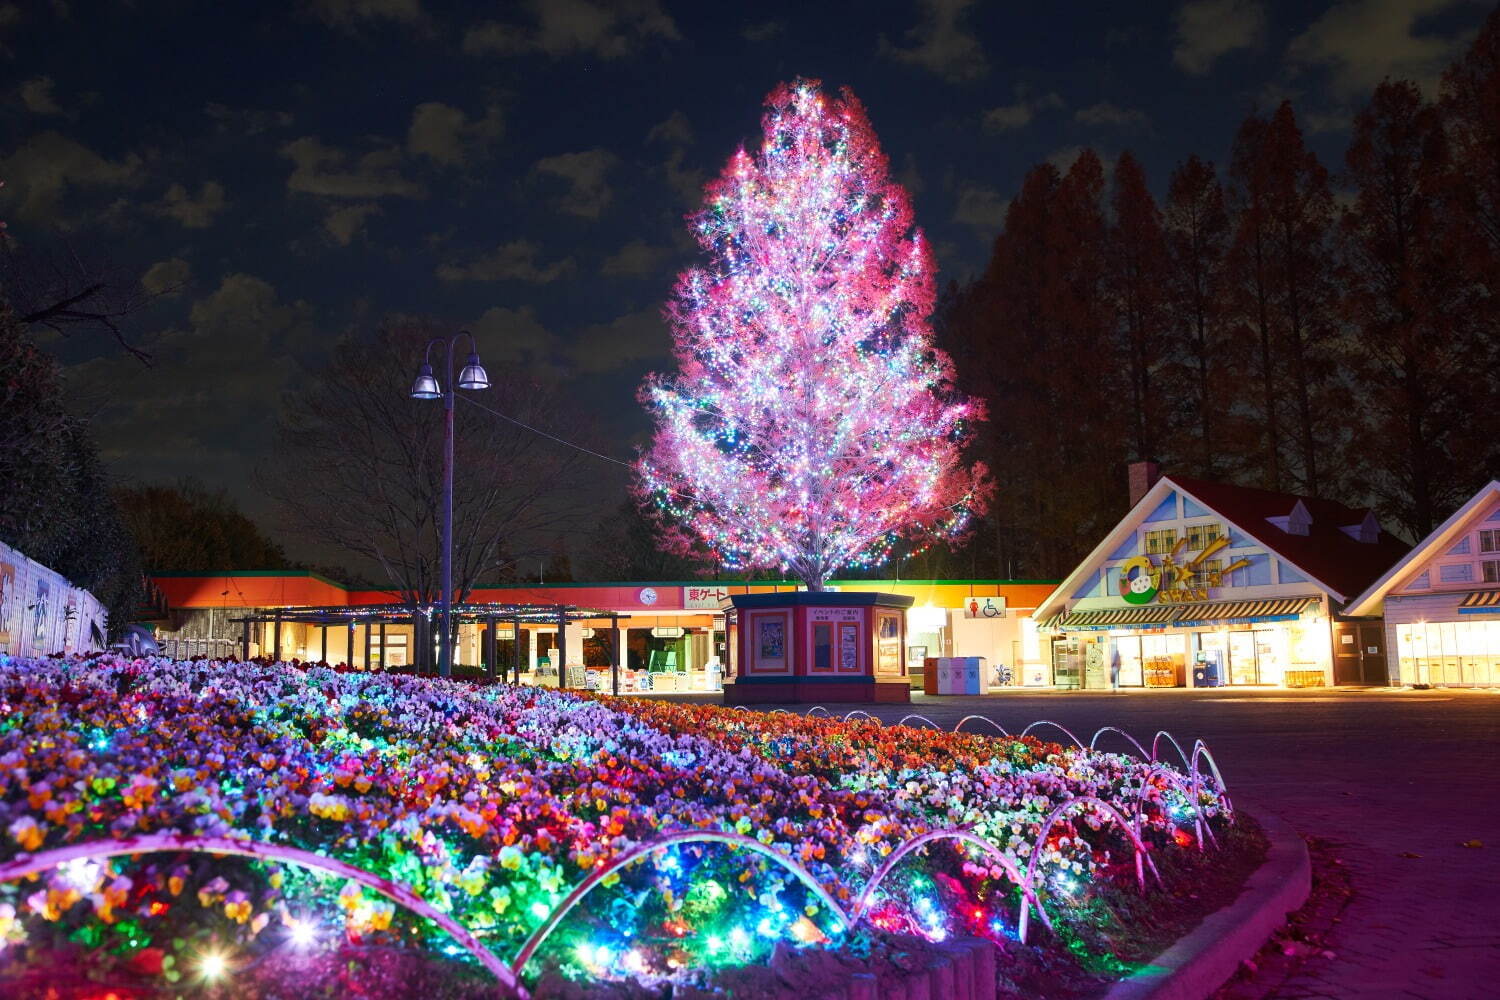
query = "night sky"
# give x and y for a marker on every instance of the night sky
(297, 169)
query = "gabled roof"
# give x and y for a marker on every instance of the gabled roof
(1327, 554)
(1330, 557)
(1372, 601)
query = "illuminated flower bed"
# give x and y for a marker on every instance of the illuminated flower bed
(496, 809)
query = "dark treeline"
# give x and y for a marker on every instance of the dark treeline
(1272, 322)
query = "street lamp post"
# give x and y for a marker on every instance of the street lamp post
(426, 386)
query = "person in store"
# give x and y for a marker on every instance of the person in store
(1114, 667)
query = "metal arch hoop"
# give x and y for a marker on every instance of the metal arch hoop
(860, 712)
(1094, 740)
(1141, 851)
(998, 728)
(1177, 782)
(540, 935)
(1028, 897)
(154, 843)
(815, 709)
(1048, 722)
(924, 718)
(1156, 740)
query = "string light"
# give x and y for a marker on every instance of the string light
(811, 424)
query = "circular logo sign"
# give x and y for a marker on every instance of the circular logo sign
(1138, 581)
(646, 596)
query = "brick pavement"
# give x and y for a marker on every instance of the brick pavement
(1380, 773)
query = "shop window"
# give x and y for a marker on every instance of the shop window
(1489, 540)
(1200, 535)
(1491, 570)
(1160, 542)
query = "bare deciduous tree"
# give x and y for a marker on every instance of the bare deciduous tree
(361, 467)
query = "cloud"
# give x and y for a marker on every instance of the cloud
(636, 259)
(186, 415)
(513, 334)
(246, 121)
(514, 261)
(763, 31)
(588, 190)
(981, 207)
(178, 203)
(445, 135)
(941, 44)
(49, 165)
(167, 277)
(37, 96)
(1209, 29)
(674, 130)
(1105, 113)
(609, 30)
(348, 221)
(1019, 115)
(1360, 42)
(348, 14)
(676, 133)
(635, 336)
(325, 170)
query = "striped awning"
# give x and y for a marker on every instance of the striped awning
(1158, 615)
(1479, 602)
(1151, 614)
(1242, 612)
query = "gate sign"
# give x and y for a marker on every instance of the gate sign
(709, 598)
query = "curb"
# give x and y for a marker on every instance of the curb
(1207, 956)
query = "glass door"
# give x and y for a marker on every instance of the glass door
(1243, 667)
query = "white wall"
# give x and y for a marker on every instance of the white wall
(41, 612)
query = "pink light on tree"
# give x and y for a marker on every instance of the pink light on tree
(811, 423)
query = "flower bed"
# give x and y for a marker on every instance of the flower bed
(499, 808)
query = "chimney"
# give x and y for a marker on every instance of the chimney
(1143, 476)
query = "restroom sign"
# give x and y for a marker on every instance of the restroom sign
(984, 607)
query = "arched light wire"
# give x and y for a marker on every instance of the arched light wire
(540, 935)
(815, 709)
(153, 843)
(924, 718)
(1156, 740)
(1094, 741)
(1188, 791)
(1141, 851)
(1055, 725)
(1022, 882)
(862, 714)
(998, 728)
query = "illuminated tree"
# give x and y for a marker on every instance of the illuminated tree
(811, 423)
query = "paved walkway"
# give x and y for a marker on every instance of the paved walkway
(1383, 774)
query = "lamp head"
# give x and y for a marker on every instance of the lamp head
(473, 376)
(425, 385)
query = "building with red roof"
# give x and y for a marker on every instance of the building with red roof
(1204, 583)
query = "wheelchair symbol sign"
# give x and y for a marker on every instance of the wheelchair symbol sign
(984, 607)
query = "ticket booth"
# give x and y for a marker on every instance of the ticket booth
(819, 647)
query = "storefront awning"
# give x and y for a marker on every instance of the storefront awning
(1116, 618)
(1241, 612)
(1161, 615)
(1480, 602)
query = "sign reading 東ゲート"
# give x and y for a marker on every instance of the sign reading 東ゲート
(707, 598)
